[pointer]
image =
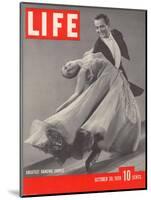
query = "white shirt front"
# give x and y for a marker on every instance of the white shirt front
(114, 48)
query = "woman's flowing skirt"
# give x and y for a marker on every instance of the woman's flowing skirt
(107, 104)
(117, 118)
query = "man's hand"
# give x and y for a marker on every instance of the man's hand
(90, 76)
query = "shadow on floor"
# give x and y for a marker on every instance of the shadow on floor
(112, 163)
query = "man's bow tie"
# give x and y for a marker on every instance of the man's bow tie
(109, 38)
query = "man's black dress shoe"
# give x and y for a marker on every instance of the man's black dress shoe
(93, 157)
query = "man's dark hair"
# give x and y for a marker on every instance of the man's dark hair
(103, 16)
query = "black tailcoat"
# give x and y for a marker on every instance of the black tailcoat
(100, 46)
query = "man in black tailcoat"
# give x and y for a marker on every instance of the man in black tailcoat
(111, 43)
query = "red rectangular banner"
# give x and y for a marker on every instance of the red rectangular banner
(52, 24)
(126, 178)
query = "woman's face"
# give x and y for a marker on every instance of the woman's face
(70, 69)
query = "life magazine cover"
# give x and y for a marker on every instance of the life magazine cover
(83, 99)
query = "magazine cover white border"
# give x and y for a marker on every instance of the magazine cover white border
(83, 99)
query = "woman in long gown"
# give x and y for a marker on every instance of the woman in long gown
(102, 116)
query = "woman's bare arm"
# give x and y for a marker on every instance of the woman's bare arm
(88, 52)
(78, 90)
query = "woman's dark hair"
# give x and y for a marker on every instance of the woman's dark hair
(103, 16)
